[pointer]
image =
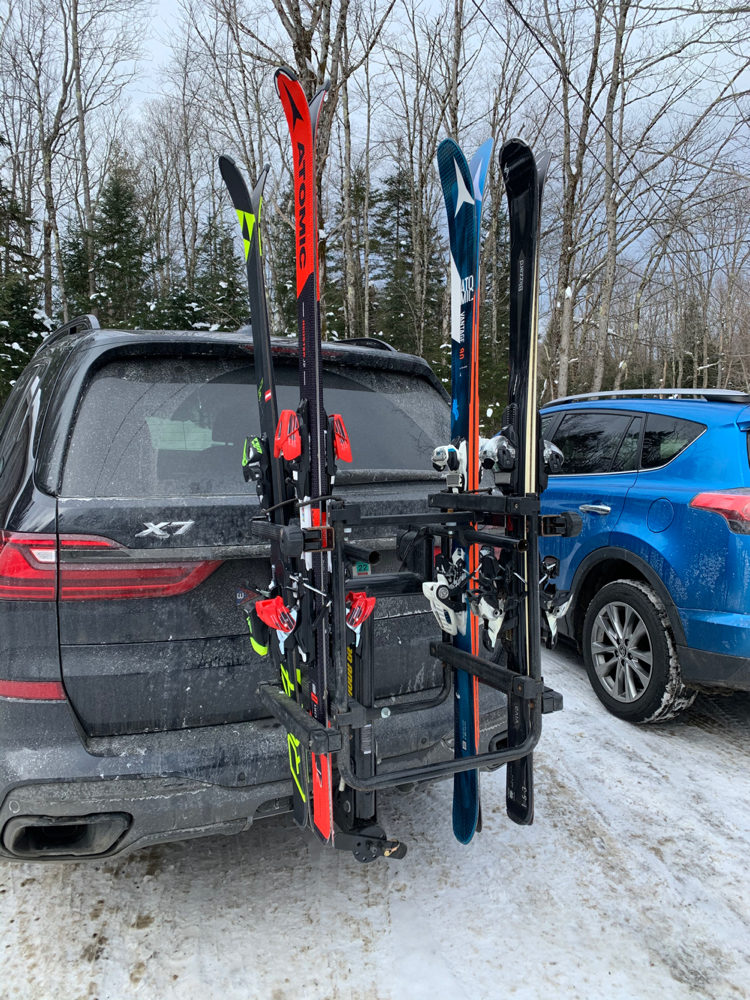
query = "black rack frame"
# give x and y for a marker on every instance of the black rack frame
(453, 514)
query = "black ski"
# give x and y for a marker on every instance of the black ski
(270, 475)
(524, 184)
(259, 460)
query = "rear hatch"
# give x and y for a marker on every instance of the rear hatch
(154, 523)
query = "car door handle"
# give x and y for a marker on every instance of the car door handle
(595, 508)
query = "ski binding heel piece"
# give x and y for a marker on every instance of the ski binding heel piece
(553, 458)
(342, 448)
(359, 607)
(256, 465)
(277, 616)
(452, 459)
(448, 612)
(499, 453)
(288, 440)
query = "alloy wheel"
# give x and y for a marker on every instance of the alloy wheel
(621, 651)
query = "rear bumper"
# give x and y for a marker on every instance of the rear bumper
(699, 666)
(178, 785)
(717, 650)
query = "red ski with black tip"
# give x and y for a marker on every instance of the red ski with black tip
(312, 473)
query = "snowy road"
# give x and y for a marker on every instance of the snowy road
(632, 883)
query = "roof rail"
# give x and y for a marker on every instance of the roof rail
(710, 395)
(78, 323)
(373, 342)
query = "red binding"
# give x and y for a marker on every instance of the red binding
(287, 441)
(359, 607)
(276, 614)
(342, 448)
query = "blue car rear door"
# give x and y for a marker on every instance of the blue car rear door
(600, 449)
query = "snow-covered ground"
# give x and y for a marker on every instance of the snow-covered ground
(632, 882)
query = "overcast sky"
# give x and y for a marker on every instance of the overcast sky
(156, 50)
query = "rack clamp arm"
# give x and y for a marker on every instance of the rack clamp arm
(314, 736)
(521, 685)
(292, 539)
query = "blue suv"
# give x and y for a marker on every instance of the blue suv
(659, 577)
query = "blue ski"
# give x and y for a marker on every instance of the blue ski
(463, 189)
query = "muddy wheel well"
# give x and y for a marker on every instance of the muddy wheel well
(597, 577)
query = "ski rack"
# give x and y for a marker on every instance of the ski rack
(347, 715)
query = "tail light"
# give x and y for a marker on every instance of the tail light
(89, 568)
(28, 567)
(733, 505)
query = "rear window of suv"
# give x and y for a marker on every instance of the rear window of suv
(665, 437)
(589, 441)
(172, 427)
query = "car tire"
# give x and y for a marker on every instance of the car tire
(630, 654)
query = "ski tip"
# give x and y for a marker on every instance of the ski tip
(543, 162)
(448, 143)
(259, 186)
(516, 162)
(226, 158)
(283, 71)
(478, 167)
(511, 145)
(484, 152)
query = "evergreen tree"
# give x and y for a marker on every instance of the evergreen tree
(21, 320)
(494, 357)
(336, 290)
(218, 300)
(285, 272)
(121, 255)
(221, 283)
(393, 259)
(395, 318)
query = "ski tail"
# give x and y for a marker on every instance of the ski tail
(524, 183)
(460, 206)
(302, 132)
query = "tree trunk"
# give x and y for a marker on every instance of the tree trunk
(88, 215)
(610, 199)
(562, 323)
(349, 270)
(458, 18)
(366, 211)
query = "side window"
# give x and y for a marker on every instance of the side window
(16, 393)
(665, 437)
(13, 450)
(626, 459)
(589, 441)
(547, 422)
(15, 430)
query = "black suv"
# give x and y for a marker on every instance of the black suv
(128, 706)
